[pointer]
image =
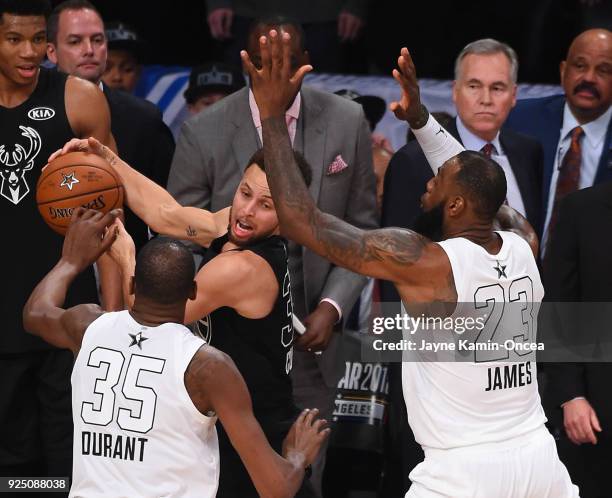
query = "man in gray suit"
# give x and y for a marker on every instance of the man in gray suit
(333, 135)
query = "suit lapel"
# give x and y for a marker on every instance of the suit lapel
(310, 139)
(604, 168)
(517, 161)
(552, 122)
(246, 140)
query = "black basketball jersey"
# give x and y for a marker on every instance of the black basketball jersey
(261, 348)
(30, 133)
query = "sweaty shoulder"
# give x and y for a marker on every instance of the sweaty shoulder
(86, 106)
(80, 87)
(245, 264)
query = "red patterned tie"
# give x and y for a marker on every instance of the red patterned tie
(569, 176)
(487, 150)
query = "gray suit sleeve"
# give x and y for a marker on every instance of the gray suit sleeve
(188, 181)
(344, 286)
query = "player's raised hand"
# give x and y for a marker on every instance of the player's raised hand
(409, 107)
(89, 145)
(305, 437)
(87, 238)
(275, 85)
(122, 249)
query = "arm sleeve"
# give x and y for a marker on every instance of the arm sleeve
(438, 144)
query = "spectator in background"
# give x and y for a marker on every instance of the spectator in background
(577, 395)
(484, 91)
(77, 44)
(574, 129)
(126, 52)
(211, 82)
(374, 108)
(334, 137)
(328, 26)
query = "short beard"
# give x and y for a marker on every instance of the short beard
(429, 223)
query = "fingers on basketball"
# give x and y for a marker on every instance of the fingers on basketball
(76, 180)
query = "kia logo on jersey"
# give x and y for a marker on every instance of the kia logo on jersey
(41, 113)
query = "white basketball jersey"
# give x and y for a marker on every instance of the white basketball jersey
(494, 396)
(136, 431)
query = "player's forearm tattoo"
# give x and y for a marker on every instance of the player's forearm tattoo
(191, 232)
(284, 177)
(335, 239)
(341, 241)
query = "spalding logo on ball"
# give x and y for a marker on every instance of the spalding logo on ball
(76, 179)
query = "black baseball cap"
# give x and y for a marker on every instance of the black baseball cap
(373, 107)
(213, 77)
(120, 36)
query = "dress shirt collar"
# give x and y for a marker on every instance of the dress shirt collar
(594, 131)
(293, 111)
(474, 142)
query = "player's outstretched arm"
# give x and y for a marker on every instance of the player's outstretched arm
(153, 204)
(43, 314)
(437, 144)
(272, 475)
(390, 254)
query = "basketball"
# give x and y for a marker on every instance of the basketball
(76, 179)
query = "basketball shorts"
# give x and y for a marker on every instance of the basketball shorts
(524, 467)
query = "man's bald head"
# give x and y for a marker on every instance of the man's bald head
(586, 74)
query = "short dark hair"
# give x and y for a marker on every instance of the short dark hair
(164, 271)
(305, 169)
(483, 181)
(53, 21)
(277, 21)
(25, 8)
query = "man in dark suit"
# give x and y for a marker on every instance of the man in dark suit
(484, 91)
(581, 117)
(577, 397)
(77, 44)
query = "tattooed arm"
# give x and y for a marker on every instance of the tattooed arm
(389, 254)
(511, 220)
(154, 205)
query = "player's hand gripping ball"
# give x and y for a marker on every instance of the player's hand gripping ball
(76, 179)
